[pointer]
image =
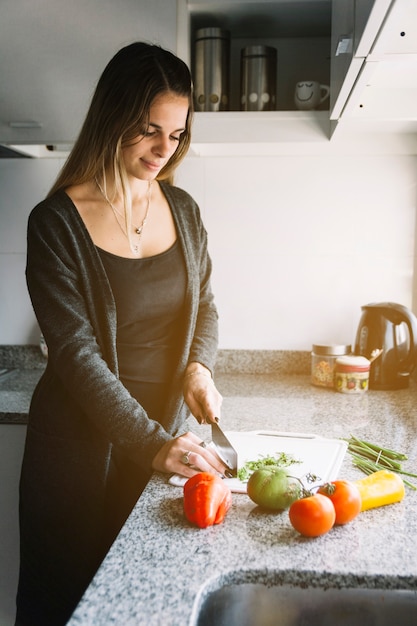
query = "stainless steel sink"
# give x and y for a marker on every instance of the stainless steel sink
(258, 604)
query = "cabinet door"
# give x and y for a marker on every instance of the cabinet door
(387, 85)
(52, 53)
(399, 32)
(343, 69)
(355, 25)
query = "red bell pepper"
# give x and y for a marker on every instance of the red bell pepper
(206, 499)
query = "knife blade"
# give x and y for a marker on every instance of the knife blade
(225, 449)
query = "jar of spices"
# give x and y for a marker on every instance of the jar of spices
(323, 361)
(352, 374)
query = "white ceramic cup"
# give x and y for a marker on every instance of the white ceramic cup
(309, 94)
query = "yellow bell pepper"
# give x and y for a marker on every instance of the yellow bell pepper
(380, 488)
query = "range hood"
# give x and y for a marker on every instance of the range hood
(57, 151)
(9, 152)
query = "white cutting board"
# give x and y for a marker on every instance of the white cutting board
(318, 455)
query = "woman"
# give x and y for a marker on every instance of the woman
(119, 277)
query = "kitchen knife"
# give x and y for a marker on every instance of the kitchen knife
(225, 449)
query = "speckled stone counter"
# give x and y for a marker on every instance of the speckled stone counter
(161, 568)
(20, 369)
(21, 366)
(16, 389)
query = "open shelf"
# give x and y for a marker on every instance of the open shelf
(300, 31)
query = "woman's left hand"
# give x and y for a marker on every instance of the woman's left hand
(201, 395)
(187, 455)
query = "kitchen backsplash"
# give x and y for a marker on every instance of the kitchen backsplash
(228, 361)
(298, 241)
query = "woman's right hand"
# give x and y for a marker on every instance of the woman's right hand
(200, 394)
(186, 455)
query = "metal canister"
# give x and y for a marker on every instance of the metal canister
(211, 70)
(258, 76)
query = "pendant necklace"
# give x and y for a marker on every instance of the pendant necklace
(138, 230)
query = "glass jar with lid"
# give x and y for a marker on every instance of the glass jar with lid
(323, 361)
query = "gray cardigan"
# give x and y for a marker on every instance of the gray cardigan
(80, 409)
(80, 395)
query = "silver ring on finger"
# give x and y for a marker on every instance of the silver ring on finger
(186, 458)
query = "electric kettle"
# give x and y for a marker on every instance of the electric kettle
(392, 328)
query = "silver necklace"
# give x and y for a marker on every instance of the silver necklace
(138, 230)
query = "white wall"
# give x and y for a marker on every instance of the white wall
(298, 243)
(23, 183)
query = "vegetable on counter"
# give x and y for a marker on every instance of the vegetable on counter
(312, 516)
(370, 458)
(346, 499)
(271, 488)
(206, 499)
(380, 488)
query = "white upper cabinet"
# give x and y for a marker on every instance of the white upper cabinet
(377, 78)
(355, 24)
(350, 45)
(399, 32)
(53, 52)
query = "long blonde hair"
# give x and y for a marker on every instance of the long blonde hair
(119, 112)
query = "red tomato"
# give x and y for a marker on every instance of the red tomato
(346, 499)
(312, 516)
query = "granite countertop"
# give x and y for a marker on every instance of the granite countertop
(160, 566)
(16, 389)
(21, 366)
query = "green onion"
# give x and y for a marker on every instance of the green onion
(392, 454)
(374, 456)
(369, 458)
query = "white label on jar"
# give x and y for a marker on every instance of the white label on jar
(351, 382)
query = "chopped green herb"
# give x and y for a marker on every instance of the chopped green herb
(282, 459)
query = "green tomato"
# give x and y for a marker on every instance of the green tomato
(272, 488)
